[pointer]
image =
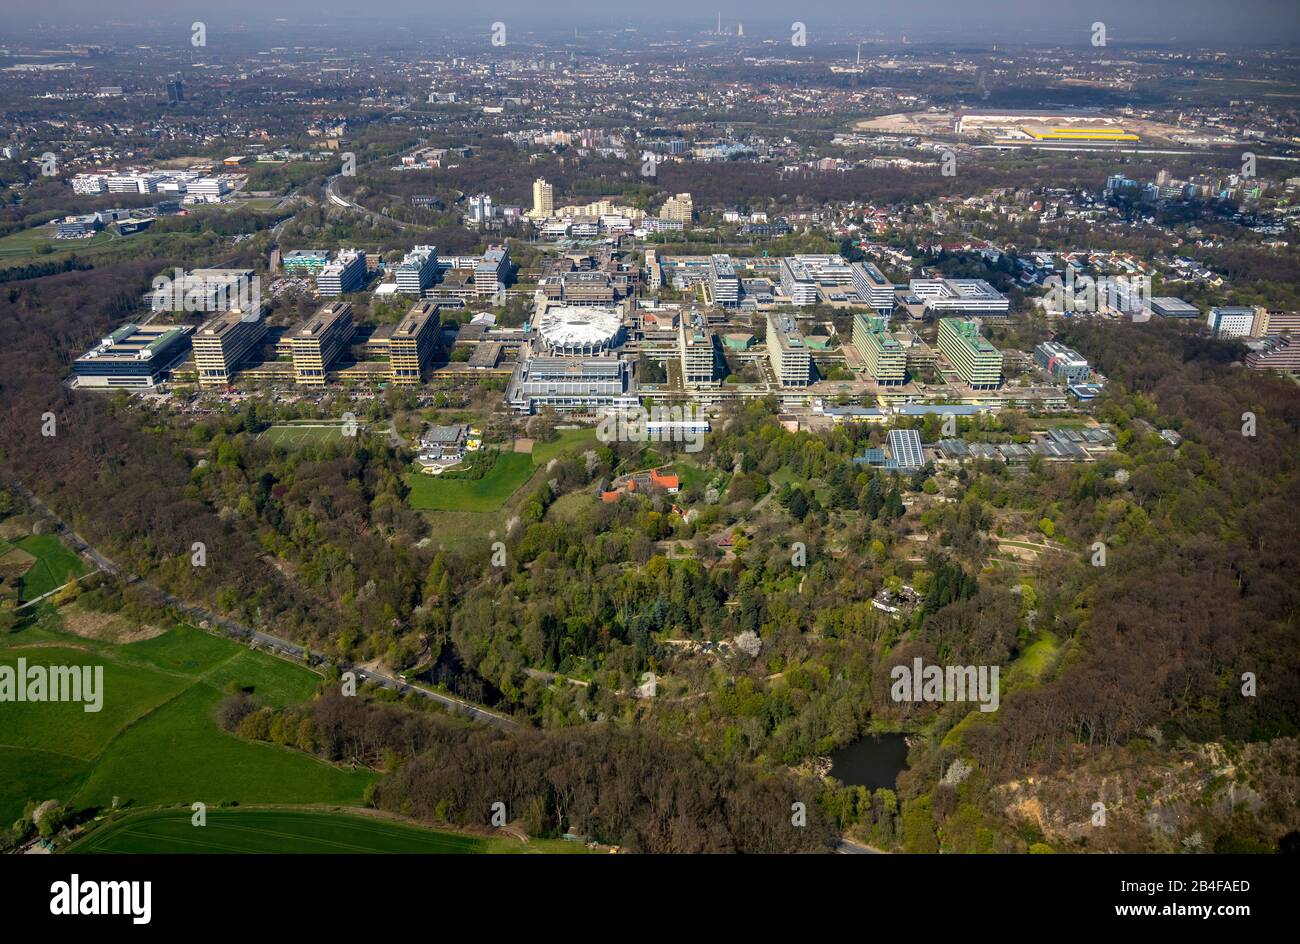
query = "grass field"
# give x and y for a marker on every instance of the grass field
(493, 490)
(294, 436)
(434, 493)
(293, 831)
(284, 831)
(693, 475)
(39, 245)
(156, 739)
(55, 565)
(567, 440)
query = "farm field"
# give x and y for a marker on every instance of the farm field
(296, 435)
(160, 697)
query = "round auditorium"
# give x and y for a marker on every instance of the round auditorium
(580, 332)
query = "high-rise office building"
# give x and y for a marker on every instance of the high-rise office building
(698, 350)
(1232, 321)
(884, 355)
(723, 282)
(412, 343)
(319, 340)
(345, 273)
(873, 288)
(175, 89)
(977, 361)
(417, 270)
(788, 351)
(543, 199)
(798, 283)
(224, 342)
(491, 273)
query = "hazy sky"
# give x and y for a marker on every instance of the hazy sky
(1176, 21)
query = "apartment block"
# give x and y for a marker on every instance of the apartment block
(543, 199)
(679, 208)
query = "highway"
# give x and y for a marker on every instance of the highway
(275, 644)
(335, 199)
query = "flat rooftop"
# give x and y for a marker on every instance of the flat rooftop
(414, 320)
(324, 319)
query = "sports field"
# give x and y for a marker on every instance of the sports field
(156, 739)
(294, 436)
(283, 831)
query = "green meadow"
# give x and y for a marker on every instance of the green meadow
(490, 493)
(284, 831)
(156, 739)
(54, 566)
(294, 831)
(435, 493)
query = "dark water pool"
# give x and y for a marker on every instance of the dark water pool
(873, 762)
